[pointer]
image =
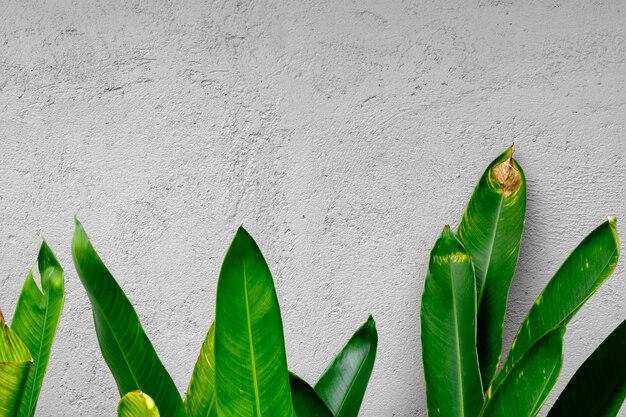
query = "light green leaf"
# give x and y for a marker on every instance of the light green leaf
(491, 232)
(588, 266)
(342, 386)
(35, 321)
(306, 402)
(15, 362)
(448, 322)
(124, 344)
(598, 388)
(529, 382)
(250, 361)
(137, 404)
(200, 400)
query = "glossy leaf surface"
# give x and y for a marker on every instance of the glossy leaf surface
(491, 232)
(527, 385)
(137, 404)
(201, 400)
(35, 321)
(250, 361)
(15, 362)
(306, 402)
(598, 388)
(587, 267)
(342, 386)
(448, 322)
(124, 344)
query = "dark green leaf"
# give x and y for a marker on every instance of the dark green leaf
(598, 388)
(529, 382)
(342, 386)
(448, 321)
(306, 402)
(124, 344)
(576, 280)
(491, 232)
(250, 362)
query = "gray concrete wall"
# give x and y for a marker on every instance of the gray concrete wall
(342, 134)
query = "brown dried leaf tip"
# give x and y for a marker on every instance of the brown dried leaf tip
(507, 176)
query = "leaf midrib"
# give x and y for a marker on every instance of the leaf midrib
(251, 341)
(351, 385)
(38, 362)
(457, 345)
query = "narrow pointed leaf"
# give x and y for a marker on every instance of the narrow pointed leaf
(15, 362)
(306, 402)
(342, 386)
(250, 362)
(35, 321)
(491, 232)
(587, 267)
(448, 322)
(200, 400)
(137, 404)
(124, 344)
(527, 386)
(598, 388)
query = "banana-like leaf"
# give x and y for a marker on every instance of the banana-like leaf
(123, 342)
(250, 362)
(587, 267)
(448, 322)
(306, 402)
(342, 385)
(137, 404)
(598, 388)
(491, 232)
(15, 362)
(200, 400)
(527, 385)
(35, 322)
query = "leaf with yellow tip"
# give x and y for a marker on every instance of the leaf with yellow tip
(137, 404)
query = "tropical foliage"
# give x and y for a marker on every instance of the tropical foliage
(464, 303)
(25, 346)
(242, 367)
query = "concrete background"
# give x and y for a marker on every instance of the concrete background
(342, 134)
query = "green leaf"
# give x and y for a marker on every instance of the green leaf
(15, 362)
(124, 344)
(35, 321)
(342, 386)
(200, 400)
(448, 321)
(250, 361)
(306, 402)
(137, 404)
(529, 382)
(598, 388)
(588, 266)
(491, 232)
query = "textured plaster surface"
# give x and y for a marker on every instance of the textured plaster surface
(342, 134)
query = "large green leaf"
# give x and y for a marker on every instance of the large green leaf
(529, 382)
(342, 386)
(137, 404)
(124, 344)
(35, 321)
(491, 232)
(15, 362)
(448, 321)
(581, 274)
(306, 402)
(200, 399)
(598, 388)
(250, 361)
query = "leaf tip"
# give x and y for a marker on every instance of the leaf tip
(507, 175)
